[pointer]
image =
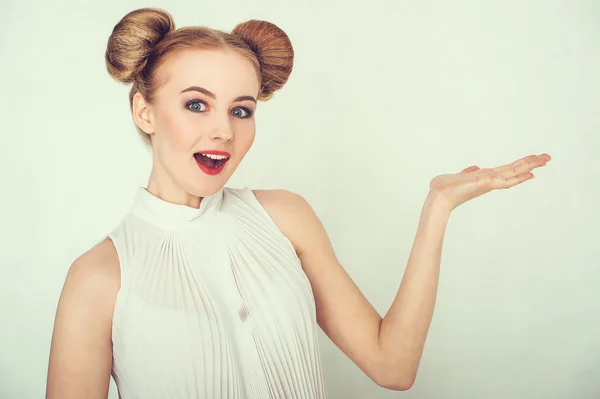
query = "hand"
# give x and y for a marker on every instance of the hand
(456, 189)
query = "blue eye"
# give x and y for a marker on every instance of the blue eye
(196, 106)
(241, 112)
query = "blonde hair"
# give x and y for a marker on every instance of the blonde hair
(142, 41)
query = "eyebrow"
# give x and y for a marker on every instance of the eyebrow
(212, 95)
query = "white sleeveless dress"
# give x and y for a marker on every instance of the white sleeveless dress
(213, 304)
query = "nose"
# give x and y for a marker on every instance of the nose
(222, 131)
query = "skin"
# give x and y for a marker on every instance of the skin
(179, 129)
(388, 349)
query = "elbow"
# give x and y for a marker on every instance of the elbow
(394, 375)
(402, 381)
(398, 385)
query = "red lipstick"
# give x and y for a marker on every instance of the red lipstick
(212, 162)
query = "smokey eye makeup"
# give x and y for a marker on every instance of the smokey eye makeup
(199, 106)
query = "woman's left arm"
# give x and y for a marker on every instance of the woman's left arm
(387, 349)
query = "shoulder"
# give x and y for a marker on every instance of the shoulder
(282, 202)
(293, 214)
(94, 277)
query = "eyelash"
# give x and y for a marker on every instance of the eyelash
(248, 112)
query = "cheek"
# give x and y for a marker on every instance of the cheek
(177, 131)
(245, 133)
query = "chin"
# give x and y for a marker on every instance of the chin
(210, 176)
(205, 185)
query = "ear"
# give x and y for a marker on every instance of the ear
(142, 113)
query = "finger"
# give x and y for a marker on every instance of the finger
(502, 182)
(469, 169)
(523, 165)
(517, 164)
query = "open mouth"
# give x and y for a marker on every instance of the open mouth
(211, 163)
(211, 160)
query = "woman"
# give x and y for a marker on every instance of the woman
(205, 291)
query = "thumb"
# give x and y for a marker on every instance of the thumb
(469, 169)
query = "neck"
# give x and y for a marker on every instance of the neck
(163, 186)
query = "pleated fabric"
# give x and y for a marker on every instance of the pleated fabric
(213, 304)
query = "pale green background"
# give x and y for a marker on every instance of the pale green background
(384, 96)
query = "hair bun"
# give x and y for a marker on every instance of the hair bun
(274, 51)
(132, 40)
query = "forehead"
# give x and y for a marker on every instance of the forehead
(222, 71)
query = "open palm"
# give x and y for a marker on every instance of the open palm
(472, 182)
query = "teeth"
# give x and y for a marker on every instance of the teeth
(215, 157)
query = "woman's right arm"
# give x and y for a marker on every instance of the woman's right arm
(81, 350)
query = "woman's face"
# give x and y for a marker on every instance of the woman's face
(201, 122)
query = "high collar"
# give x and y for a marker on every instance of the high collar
(170, 215)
